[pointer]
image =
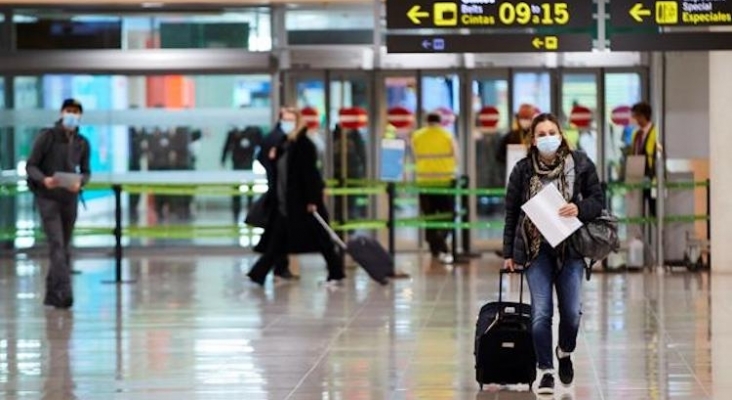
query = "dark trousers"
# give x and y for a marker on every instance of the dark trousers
(58, 220)
(431, 204)
(277, 250)
(649, 202)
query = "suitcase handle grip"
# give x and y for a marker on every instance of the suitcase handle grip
(505, 271)
(331, 232)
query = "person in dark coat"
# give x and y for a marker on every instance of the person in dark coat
(550, 162)
(297, 192)
(266, 157)
(59, 150)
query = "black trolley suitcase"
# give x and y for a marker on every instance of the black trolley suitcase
(367, 252)
(504, 349)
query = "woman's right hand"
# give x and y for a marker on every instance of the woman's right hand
(510, 266)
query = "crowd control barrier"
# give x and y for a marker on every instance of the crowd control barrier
(461, 221)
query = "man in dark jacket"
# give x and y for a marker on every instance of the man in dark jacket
(57, 168)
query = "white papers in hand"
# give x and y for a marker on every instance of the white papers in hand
(543, 211)
(67, 180)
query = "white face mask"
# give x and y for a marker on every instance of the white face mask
(287, 126)
(548, 145)
(525, 124)
(70, 120)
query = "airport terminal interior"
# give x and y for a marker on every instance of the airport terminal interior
(178, 98)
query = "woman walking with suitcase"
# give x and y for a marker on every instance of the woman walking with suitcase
(298, 193)
(551, 162)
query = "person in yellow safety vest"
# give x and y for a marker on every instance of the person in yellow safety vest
(572, 134)
(390, 132)
(436, 157)
(644, 143)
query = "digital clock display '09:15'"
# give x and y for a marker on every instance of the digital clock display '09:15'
(521, 13)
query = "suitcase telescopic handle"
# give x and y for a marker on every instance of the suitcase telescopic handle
(505, 271)
(331, 232)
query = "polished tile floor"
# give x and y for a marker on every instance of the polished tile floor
(192, 328)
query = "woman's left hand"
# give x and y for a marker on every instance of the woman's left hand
(569, 210)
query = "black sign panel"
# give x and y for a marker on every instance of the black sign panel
(482, 14)
(689, 41)
(487, 43)
(634, 13)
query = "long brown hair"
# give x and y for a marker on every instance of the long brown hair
(544, 117)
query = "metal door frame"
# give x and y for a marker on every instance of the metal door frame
(343, 75)
(643, 74)
(599, 112)
(380, 122)
(470, 124)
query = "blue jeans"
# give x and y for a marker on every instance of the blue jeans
(543, 274)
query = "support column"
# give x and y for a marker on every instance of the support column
(720, 136)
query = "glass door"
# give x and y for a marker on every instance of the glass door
(349, 127)
(622, 90)
(490, 121)
(533, 88)
(579, 98)
(398, 99)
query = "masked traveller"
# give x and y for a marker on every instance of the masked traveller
(550, 162)
(57, 168)
(297, 192)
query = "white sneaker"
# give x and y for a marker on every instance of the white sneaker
(333, 284)
(446, 258)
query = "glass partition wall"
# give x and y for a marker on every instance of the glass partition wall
(149, 123)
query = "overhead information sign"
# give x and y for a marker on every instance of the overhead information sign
(488, 43)
(682, 41)
(669, 13)
(458, 14)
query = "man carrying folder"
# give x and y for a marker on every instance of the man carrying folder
(57, 168)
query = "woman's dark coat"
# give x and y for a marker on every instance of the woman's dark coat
(588, 196)
(305, 186)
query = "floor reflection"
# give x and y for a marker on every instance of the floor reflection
(193, 328)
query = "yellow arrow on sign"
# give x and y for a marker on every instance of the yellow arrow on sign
(537, 43)
(415, 14)
(638, 12)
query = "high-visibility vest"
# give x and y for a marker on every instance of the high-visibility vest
(433, 153)
(648, 148)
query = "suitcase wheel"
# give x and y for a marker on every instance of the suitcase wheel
(481, 387)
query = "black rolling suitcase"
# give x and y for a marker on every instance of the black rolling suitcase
(504, 349)
(367, 252)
